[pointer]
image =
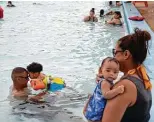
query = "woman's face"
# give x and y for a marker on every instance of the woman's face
(92, 13)
(119, 55)
(116, 16)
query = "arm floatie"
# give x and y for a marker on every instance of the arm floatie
(37, 84)
(55, 83)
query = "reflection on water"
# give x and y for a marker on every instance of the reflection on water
(53, 107)
(53, 34)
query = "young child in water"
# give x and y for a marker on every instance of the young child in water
(35, 70)
(42, 80)
(107, 73)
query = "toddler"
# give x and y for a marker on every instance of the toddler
(107, 73)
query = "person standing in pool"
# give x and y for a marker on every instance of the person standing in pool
(101, 13)
(134, 104)
(10, 4)
(91, 16)
(116, 19)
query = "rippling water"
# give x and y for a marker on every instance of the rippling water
(53, 34)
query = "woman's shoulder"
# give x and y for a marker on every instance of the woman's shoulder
(126, 81)
(129, 86)
(86, 18)
(130, 90)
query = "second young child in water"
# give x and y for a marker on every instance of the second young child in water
(34, 70)
(42, 81)
(35, 73)
(107, 73)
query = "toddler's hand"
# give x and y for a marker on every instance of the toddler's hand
(120, 89)
(50, 78)
(98, 77)
(89, 96)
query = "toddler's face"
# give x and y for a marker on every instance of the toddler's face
(110, 70)
(33, 75)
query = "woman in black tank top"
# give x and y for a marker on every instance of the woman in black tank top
(135, 103)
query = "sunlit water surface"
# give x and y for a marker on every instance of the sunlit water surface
(53, 34)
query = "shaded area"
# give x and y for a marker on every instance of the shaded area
(55, 107)
(147, 12)
(54, 35)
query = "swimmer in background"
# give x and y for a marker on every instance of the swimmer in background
(101, 13)
(10, 4)
(115, 20)
(117, 3)
(91, 16)
(37, 4)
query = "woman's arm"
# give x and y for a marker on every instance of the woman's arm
(110, 13)
(86, 19)
(112, 21)
(118, 105)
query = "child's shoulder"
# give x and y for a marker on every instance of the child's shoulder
(42, 76)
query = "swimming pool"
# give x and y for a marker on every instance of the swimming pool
(53, 34)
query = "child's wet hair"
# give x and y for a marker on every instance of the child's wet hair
(110, 59)
(35, 67)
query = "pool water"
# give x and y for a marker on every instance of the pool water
(53, 34)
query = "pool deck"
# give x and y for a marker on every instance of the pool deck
(131, 10)
(147, 13)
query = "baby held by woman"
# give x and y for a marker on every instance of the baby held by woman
(107, 73)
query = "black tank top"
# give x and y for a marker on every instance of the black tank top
(140, 111)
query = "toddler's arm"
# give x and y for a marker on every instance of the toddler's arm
(98, 77)
(108, 93)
